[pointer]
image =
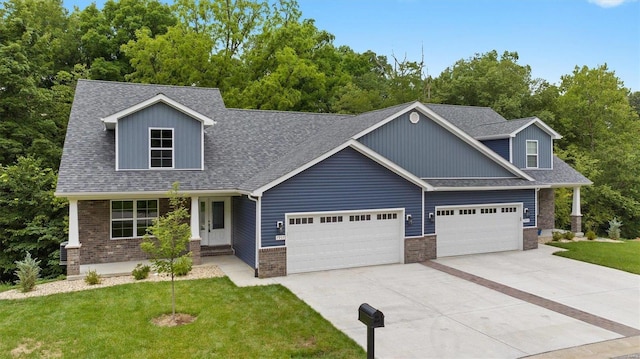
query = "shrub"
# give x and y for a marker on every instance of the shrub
(614, 228)
(591, 235)
(141, 271)
(183, 265)
(92, 277)
(569, 235)
(556, 236)
(28, 273)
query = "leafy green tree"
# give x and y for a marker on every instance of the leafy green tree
(489, 80)
(168, 238)
(634, 101)
(32, 219)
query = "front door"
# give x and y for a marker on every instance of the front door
(215, 221)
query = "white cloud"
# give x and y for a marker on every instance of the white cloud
(609, 3)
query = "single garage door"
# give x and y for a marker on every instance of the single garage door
(478, 229)
(321, 241)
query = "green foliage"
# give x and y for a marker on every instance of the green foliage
(591, 235)
(614, 229)
(28, 273)
(141, 271)
(32, 219)
(557, 236)
(92, 277)
(568, 235)
(168, 238)
(183, 266)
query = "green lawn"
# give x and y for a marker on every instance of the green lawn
(624, 256)
(114, 322)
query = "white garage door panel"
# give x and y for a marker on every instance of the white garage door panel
(323, 246)
(482, 229)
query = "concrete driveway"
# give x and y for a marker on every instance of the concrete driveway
(432, 314)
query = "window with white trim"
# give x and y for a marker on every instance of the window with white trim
(532, 154)
(161, 147)
(130, 219)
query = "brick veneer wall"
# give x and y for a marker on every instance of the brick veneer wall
(94, 231)
(546, 208)
(419, 249)
(272, 262)
(529, 238)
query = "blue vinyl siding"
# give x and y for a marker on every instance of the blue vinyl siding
(545, 147)
(428, 150)
(244, 229)
(345, 181)
(500, 147)
(434, 199)
(133, 137)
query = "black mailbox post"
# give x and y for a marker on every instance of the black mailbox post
(372, 318)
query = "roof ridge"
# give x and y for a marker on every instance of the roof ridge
(450, 105)
(151, 85)
(289, 112)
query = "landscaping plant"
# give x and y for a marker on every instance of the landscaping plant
(28, 272)
(92, 277)
(183, 265)
(167, 239)
(141, 271)
(591, 235)
(569, 235)
(614, 228)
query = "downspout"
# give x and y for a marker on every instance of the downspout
(258, 201)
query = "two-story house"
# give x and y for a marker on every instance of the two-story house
(291, 192)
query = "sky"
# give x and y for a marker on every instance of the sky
(551, 36)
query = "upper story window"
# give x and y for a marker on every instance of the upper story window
(161, 148)
(532, 154)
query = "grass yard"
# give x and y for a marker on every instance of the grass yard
(624, 256)
(114, 322)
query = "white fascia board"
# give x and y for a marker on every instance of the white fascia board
(356, 146)
(493, 137)
(453, 129)
(145, 194)
(487, 188)
(111, 120)
(543, 126)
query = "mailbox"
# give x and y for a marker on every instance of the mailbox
(370, 316)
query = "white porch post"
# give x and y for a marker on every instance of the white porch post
(576, 215)
(74, 235)
(575, 209)
(195, 218)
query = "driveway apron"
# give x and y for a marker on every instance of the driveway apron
(432, 314)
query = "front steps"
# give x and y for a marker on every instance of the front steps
(211, 251)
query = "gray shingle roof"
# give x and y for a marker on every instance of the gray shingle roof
(498, 129)
(561, 175)
(476, 182)
(245, 150)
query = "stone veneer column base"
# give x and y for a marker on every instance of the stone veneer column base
(546, 208)
(73, 260)
(529, 238)
(194, 248)
(419, 249)
(272, 262)
(576, 225)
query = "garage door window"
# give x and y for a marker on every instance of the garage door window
(488, 210)
(467, 211)
(331, 219)
(387, 216)
(304, 220)
(360, 217)
(508, 209)
(445, 212)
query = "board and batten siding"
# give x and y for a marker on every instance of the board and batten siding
(545, 147)
(500, 146)
(434, 199)
(428, 150)
(133, 137)
(345, 181)
(244, 229)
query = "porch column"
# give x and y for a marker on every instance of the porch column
(576, 215)
(73, 247)
(194, 243)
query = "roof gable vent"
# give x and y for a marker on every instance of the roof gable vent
(414, 117)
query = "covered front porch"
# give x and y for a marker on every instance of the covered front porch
(546, 211)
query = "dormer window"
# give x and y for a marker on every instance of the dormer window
(161, 148)
(532, 154)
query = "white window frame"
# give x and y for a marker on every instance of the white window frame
(134, 218)
(527, 154)
(172, 148)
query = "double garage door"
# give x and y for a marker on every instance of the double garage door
(321, 241)
(478, 229)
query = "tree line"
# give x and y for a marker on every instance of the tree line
(266, 55)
